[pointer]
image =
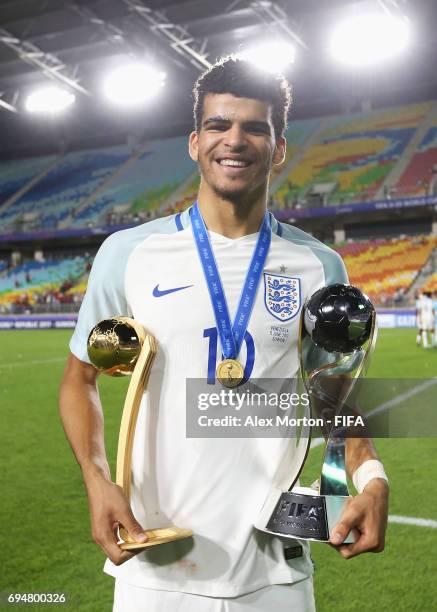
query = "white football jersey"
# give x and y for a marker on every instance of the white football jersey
(426, 307)
(214, 486)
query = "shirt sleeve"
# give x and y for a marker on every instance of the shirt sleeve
(333, 266)
(105, 296)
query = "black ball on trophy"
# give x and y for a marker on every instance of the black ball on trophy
(339, 318)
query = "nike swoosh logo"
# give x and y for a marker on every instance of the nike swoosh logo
(160, 292)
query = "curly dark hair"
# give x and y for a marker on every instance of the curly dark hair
(242, 79)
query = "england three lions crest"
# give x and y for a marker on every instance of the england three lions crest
(282, 296)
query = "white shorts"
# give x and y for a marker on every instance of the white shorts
(296, 597)
(427, 323)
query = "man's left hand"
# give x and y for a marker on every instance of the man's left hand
(366, 514)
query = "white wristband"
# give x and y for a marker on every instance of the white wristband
(372, 468)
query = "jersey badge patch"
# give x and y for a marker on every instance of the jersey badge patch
(282, 296)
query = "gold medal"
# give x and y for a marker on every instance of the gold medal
(230, 372)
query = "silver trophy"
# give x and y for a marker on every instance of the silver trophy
(337, 336)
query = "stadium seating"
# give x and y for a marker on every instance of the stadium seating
(44, 283)
(188, 196)
(15, 174)
(356, 153)
(431, 283)
(296, 135)
(146, 183)
(74, 178)
(383, 267)
(419, 172)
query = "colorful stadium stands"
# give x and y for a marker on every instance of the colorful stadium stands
(147, 182)
(297, 133)
(74, 178)
(383, 267)
(356, 152)
(15, 174)
(43, 283)
(431, 283)
(187, 198)
(419, 172)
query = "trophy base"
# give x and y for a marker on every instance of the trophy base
(155, 537)
(302, 514)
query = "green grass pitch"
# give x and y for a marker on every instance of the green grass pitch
(45, 540)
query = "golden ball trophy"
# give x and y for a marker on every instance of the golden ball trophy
(120, 346)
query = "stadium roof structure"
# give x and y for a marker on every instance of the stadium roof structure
(76, 42)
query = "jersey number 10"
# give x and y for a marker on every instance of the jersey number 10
(212, 334)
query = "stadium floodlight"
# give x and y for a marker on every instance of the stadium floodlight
(133, 84)
(369, 39)
(272, 56)
(49, 100)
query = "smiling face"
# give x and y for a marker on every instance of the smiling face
(235, 146)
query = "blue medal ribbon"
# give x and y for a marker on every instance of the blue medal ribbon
(231, 336)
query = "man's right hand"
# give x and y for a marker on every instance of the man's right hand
(82, 417)
(109, 508)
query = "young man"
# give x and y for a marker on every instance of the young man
(434, 340)
(417, 300)
(425, 317)
(157, 274)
